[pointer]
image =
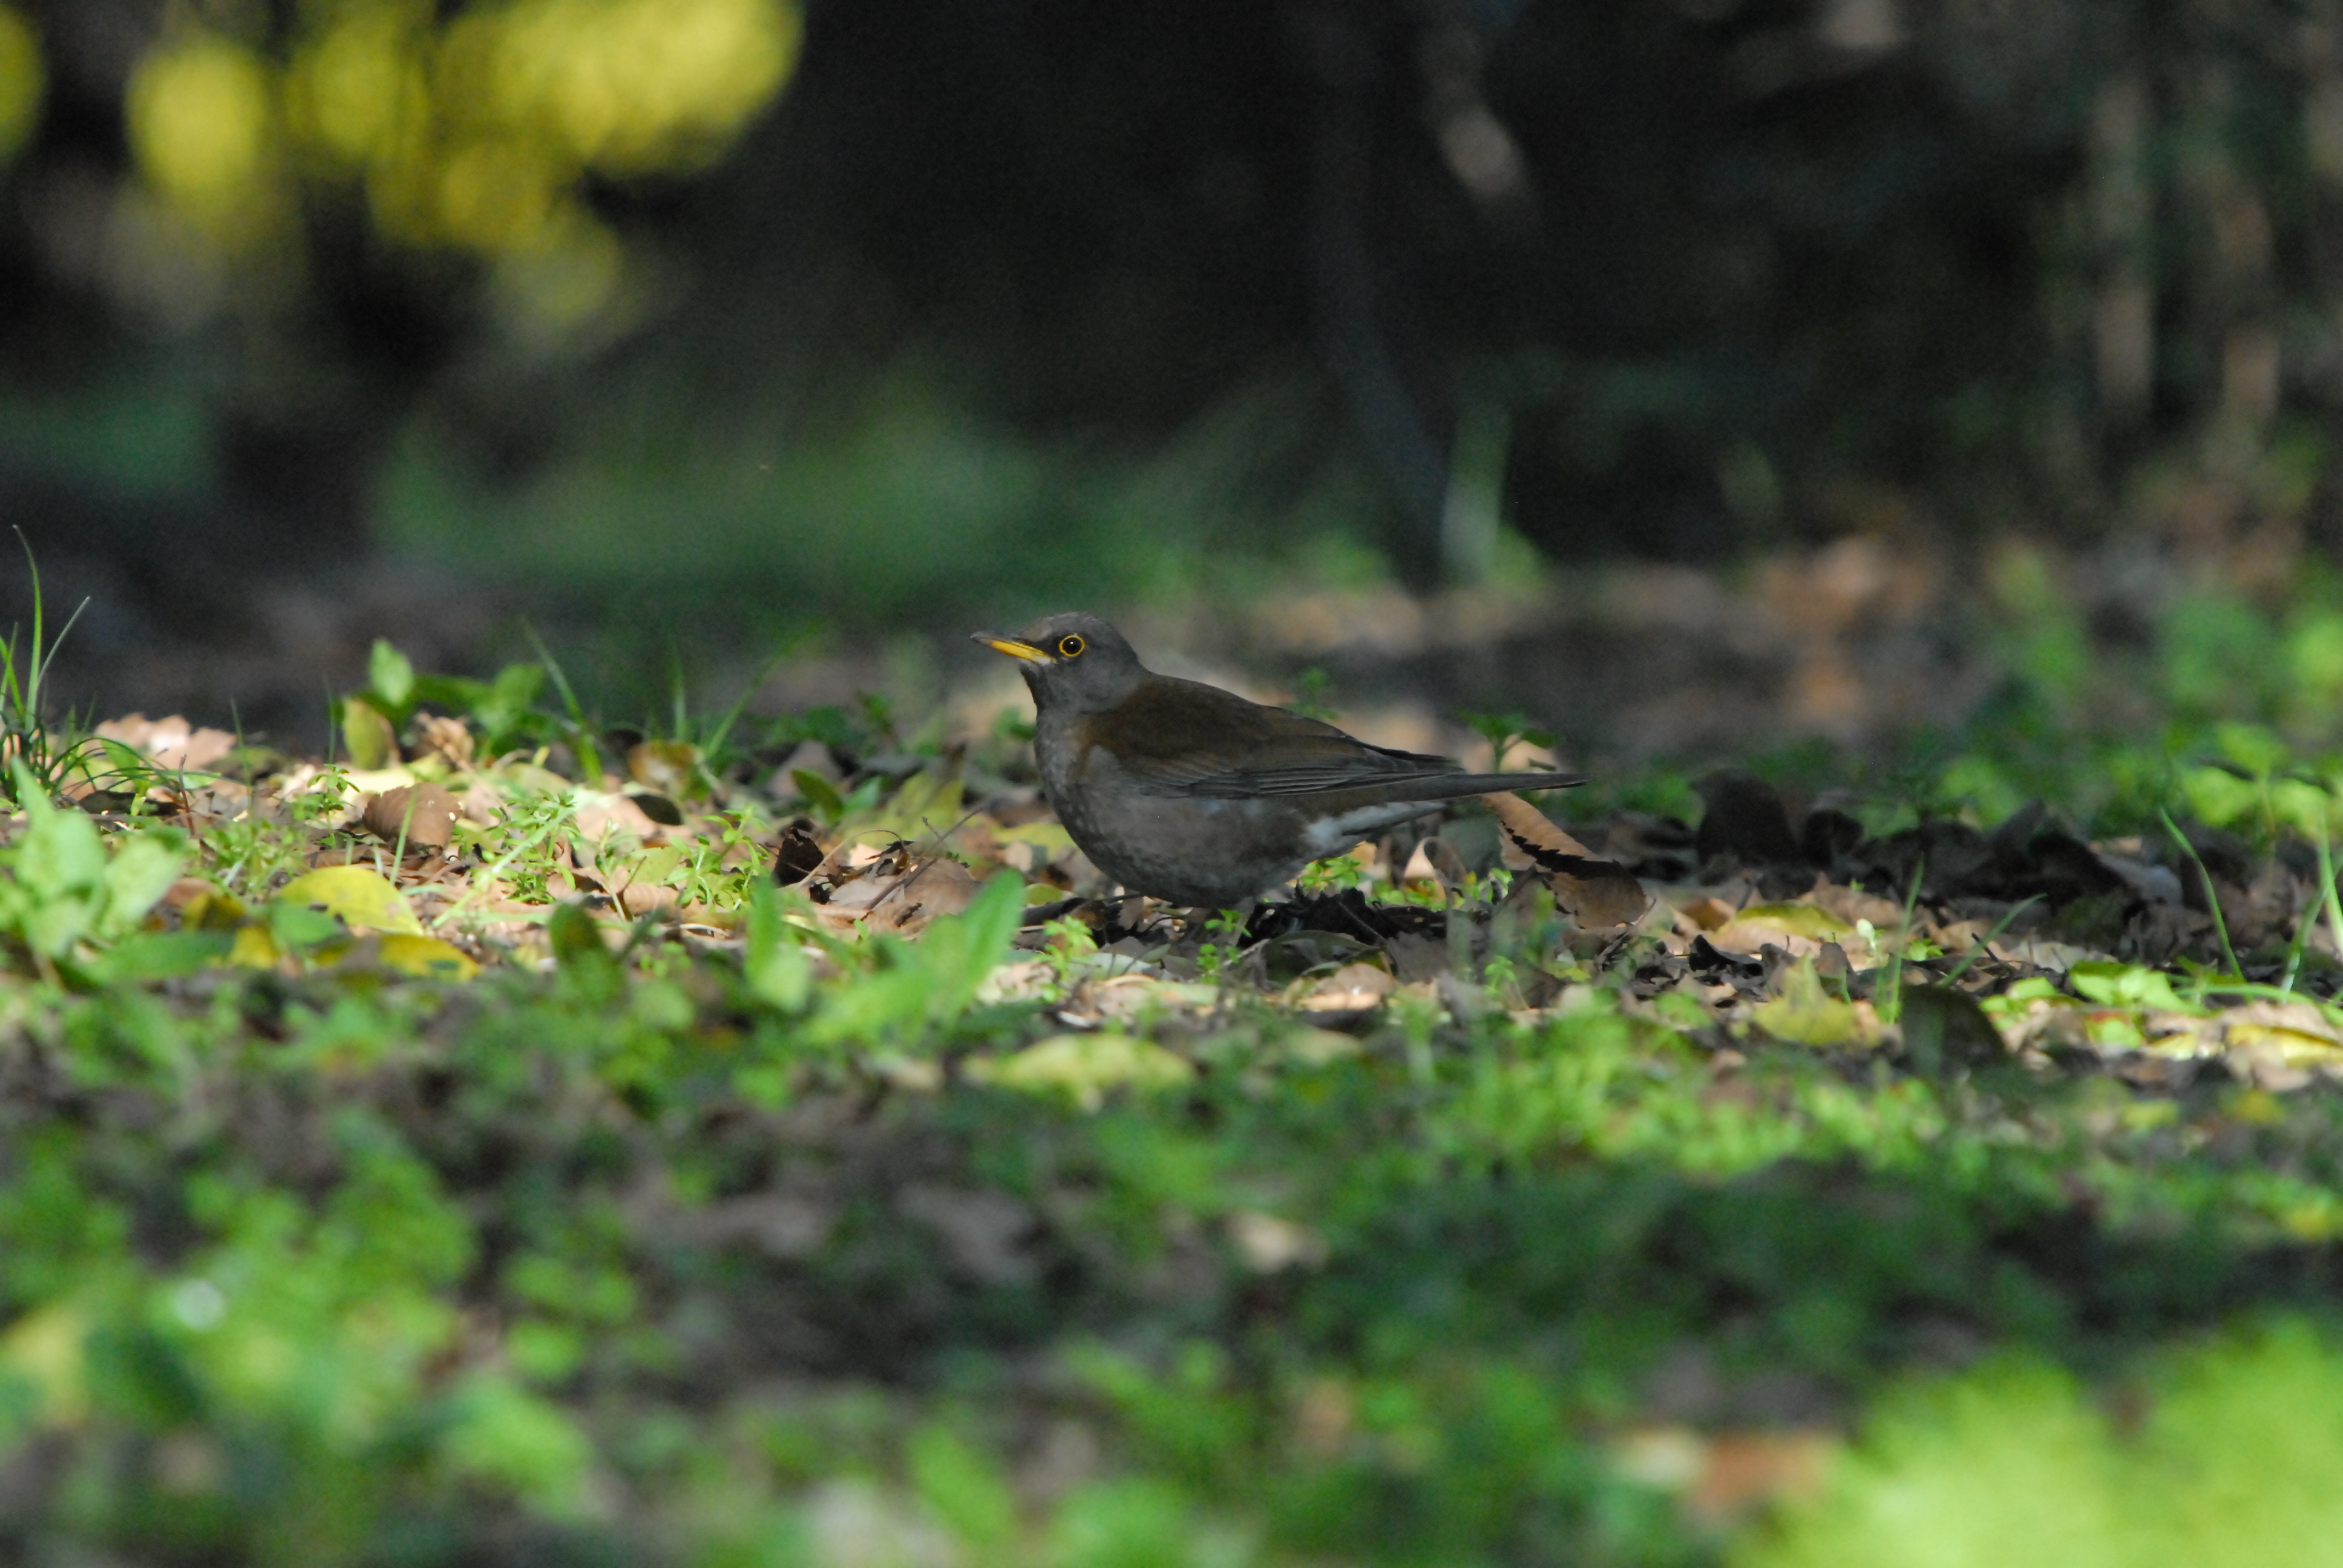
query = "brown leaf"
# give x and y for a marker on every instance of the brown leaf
(639, 899)
(666, 766)
(1745, 817)
(899, 895)
(799, 855)
(1852, 904)
(598, 816)
(171, 744)
(1709, 914)
(1597, 895)
(1531, 836)
(1354, 988)
(444, 736)
(424, 814)
(658, 808)
(1435, 861)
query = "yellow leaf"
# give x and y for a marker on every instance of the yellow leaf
(1806, 1014)
(2294, 1047)
(357, 896)
(1797, 920)
(255, 948)
(427, 958)
(378, 781)
(212, 912)
(1085, 1066)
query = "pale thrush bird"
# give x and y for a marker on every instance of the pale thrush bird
(1195, 795)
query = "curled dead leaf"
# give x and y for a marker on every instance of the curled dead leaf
(666, 766)
(798, 856)
(444, 737)
(600, 814)
(1435, 861)
(1354, 988)
(1597, 895)
(660, 808)
(1708, 913)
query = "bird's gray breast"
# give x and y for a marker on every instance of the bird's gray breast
(1188, 850)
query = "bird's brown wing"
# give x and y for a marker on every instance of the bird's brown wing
(1183, 739)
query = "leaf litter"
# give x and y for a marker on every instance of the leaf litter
(1809, 934)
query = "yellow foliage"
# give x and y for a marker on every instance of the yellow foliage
(21, 81)
(360, 91)
(471, 134)
(496, 196)
(203, 125)
(631, 87)
(255, 948)
(1805, 1013)
(354, 895)
(427, 958)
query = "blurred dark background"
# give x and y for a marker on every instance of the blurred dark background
(700, 325)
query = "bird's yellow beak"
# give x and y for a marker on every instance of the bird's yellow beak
(1014, 649)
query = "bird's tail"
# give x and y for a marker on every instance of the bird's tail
(1453, 785)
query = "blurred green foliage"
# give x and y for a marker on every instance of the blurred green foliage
(2014, 1464)
(374, 1273)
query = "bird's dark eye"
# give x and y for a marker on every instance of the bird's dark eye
(1071, 646)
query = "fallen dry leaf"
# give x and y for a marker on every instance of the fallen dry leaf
(1708, 913)
(666, 766)
(1597, 895)
(1354, 988)
(448, 738)
(602, 814)
(422, 815)
(897, 894)
(171, 744)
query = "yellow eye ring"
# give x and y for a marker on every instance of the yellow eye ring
(1071, 646)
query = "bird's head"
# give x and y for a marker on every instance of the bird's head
(1072, 661)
